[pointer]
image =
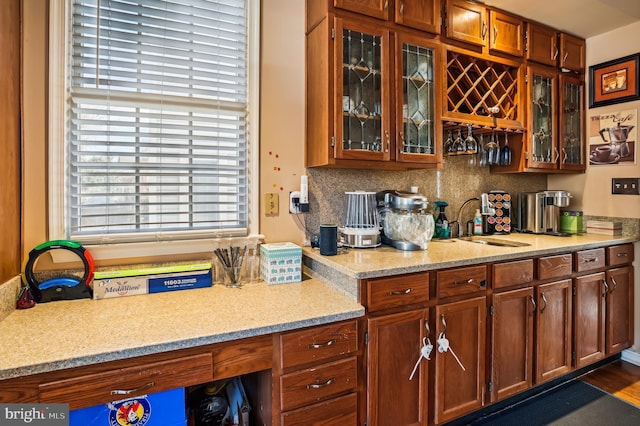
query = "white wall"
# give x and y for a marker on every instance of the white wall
(592, 190)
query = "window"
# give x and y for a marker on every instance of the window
(152, 121)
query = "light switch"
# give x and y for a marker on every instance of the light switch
(271, 204)
(628, 186)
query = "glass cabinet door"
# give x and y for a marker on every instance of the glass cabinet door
(416, 123)
(364, 126)
(571, 123)
(542, 118)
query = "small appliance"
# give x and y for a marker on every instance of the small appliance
(361, 221)
(539, 212)
(406, 222)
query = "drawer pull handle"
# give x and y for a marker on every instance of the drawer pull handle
(592, 259)
(321, 345)
(621, 254)
(461, 282)
(321, 385)
(134, 391)
(400, 292)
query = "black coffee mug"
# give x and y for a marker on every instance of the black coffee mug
(328, 240)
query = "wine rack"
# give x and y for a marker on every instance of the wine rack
(483, 92)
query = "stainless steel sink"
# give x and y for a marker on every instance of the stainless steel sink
(493, 241)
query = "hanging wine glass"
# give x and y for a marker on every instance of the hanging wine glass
(505, 152)
(459, 144)
(482, 154)
(448, 144)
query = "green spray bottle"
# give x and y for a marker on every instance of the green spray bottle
(442, 224)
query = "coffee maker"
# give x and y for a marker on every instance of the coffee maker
(539, 212)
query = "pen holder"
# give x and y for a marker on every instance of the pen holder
(230, 261)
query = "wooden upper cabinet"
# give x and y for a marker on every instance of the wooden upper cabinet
(541, 44)
(506, 33)
(572, 52)
(419, 14)
(374, 8)
(466, 21)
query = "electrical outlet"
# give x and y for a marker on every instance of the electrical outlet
(271, 204)
(627, 186)
(294, 202)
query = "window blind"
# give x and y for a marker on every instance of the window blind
(157, 120)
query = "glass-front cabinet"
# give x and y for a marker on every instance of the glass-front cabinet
(365, 127)
(371, 102)
(572, 138)
(417, 113)
(543, 152)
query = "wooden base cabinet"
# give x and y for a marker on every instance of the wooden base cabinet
(553, 330)
(512, 316)
(460, 386)
(394, 346)
(619, 317)
(589, 294)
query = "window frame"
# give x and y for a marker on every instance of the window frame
(59, 33)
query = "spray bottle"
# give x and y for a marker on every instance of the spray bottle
(442, 223)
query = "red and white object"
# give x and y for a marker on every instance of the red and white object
(604, 227)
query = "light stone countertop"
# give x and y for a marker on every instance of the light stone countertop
(354, 264)
(64, 334)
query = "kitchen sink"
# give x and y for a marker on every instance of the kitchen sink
(493, 241)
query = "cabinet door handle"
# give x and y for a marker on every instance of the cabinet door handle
(495, 34)
(386, 135)
(401, 146)
(564, 58)
(544, 299)
(400, 292)
(614, 286)
(606, 288)
(444, 324)
(134, 391)
(484, 30)
(321, 385)
(555, 55)
(401, 7)
(556, 155)
(321, 345)
(386, 4)
(564, 153)
(533, 302)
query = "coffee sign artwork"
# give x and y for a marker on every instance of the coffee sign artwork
(613, 138)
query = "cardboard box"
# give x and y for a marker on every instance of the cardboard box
(571, 221)
(108, 284)
(604, 227)
(157, 409)
(280, 263)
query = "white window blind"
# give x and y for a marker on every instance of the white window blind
(157, 120)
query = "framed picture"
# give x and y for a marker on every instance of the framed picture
(614, 82)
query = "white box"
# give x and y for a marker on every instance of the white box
(603, 227)
(280, 263)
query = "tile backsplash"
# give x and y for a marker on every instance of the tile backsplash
(455, 183)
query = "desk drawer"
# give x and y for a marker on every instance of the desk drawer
(318, 383)
(558, 266)
(397, 291)
(98, 388)
(619, 255)
(341, 411)
(460, 281)
(318, 343)
(588, 260)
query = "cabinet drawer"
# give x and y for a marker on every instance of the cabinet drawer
(92, 389)
(557, 266)
(341, 411)
(397, 291)
(318, 343)
(587, 260)
(619, 255)
(318, 383)
(456, 282)
(512, 273)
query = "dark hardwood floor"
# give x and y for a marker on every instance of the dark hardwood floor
(619, 378)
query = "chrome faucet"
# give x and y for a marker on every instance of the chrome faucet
(459, 216)
(486, 209)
